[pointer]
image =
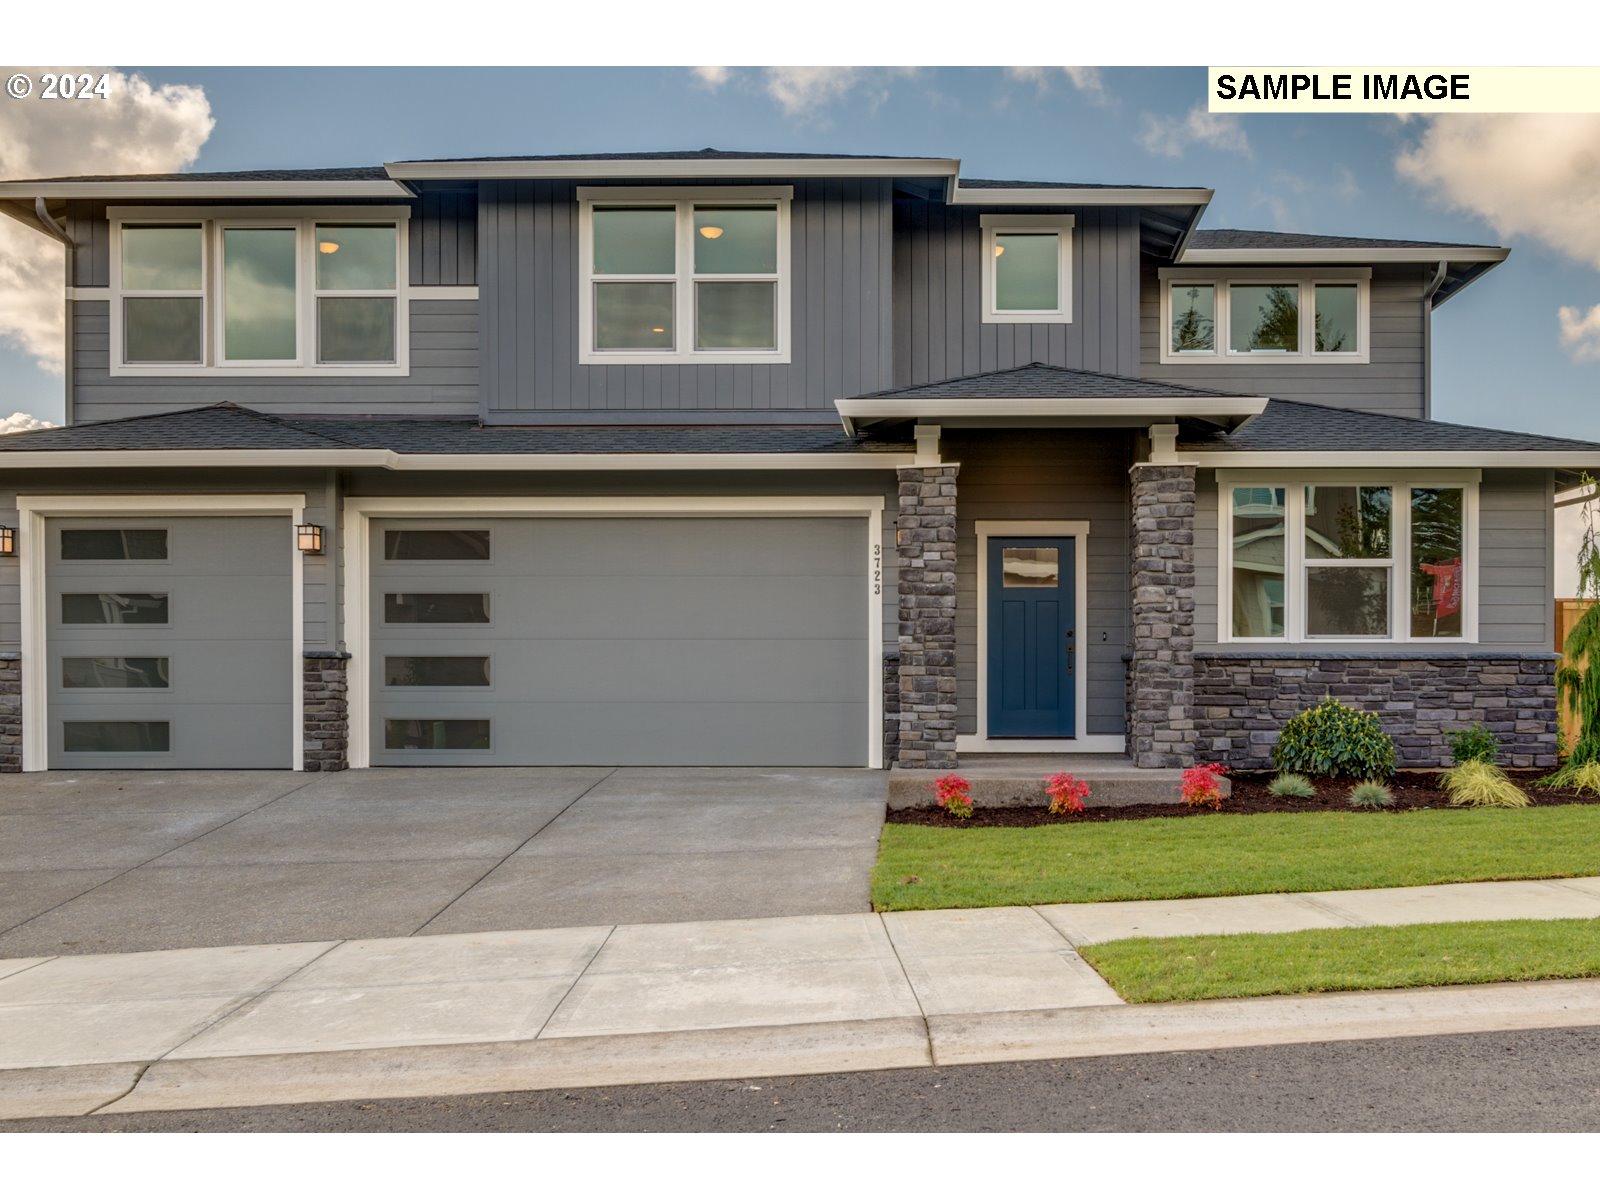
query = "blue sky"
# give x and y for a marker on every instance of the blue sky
(1498, 359)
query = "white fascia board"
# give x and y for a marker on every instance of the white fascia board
(1114, 197)
(211, 189)
(675, 168)
(1391, 458)
(390, 461)
(1109, 406)
(1346, 254)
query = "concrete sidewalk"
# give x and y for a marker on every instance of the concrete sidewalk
(597, 1005)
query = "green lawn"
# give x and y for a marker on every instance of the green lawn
(1227, 855)
(1346, 960)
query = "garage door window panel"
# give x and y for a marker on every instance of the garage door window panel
(436, 671)
(117, 674)
(112, 608)
(113, 545)
(430, 734)
(436, 608)
(436, 545)
(116, 737)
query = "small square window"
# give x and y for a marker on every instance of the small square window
(1026, 269)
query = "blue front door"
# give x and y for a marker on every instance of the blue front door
(1032, 637)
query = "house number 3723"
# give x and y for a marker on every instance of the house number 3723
(877, 568)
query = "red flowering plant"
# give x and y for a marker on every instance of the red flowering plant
(1067, 793)
(954, 795)
(1202, 785)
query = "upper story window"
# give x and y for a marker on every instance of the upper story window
(1360, 560)
(678, 275)
(1027, 269)
(258, 291)
(1265, 317)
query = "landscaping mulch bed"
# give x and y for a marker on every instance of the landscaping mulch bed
(1412, 790)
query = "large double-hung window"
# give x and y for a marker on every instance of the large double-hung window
(258, 291)
(675, 275)
(1354, 561)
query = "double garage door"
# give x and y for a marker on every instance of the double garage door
(169, 642)
(610, 640)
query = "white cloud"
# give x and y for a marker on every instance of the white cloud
(1526, 174)
(712, 78)
(22, 422)
(1169, 137)
(1088, 80)
(138, 129)
(1580, 333)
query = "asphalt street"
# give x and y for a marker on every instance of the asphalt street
(1543, 1080)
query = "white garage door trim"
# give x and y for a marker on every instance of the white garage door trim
(360, 511)
(32, 512)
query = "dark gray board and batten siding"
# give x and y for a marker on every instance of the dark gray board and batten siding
(1516, 577)
(939, 331)
(841, 238)
(443, 381)
(1395, 382)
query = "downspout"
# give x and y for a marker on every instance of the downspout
(42, 211)
(1427, 337)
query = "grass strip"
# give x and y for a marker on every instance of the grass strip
(1144, 970)
(1229, 855)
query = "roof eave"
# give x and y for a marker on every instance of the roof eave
(671, 168)
(1227, 411)
(1341, 254)
(208, 189)
(390, 460)
(1274, 459)
(1077, 197)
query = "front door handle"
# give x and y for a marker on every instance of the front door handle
(1072, 651)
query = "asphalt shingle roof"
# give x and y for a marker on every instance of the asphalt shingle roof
(1265, 239)
(1292, 425)
(232, 427)
(1043, 382)
(308, 175)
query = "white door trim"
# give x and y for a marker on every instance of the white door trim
(32, 512)
(1104, 743)
(359, 512)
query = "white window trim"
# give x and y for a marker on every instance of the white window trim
(33, 554)
(684, 277)
(1294, 485)
(1306, 281)
(212, 222)
(994, 224)
(356, 552)
(1083, 743)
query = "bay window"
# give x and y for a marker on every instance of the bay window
(1262, 315)
(683, 275)
(258, 291)
(1349, 561)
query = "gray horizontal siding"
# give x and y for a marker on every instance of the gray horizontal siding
(939, 332)
(839, 337)
(1394, 382)
(443, 248)
(1049, 476)
(443, 379)
(1516, 580)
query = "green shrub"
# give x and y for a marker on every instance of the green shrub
(1334, 740)
(1482, 785)
(1371, 794)
(1477, 743)
(1289, 784)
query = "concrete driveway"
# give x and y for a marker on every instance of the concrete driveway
(97, 862)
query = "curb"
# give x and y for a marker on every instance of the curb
(733, 1053)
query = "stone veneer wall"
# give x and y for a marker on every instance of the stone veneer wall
(327, 710)
(926, 546)
(891, 707)
(1161, 727)
(10, 711)
(1243, 699)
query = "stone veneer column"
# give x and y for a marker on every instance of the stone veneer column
(327, 710)
(927, 554)
(10, 711)
(1161, 728)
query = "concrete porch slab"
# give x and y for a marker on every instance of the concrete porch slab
(1001, 780)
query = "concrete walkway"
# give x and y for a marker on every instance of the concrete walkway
(594, 1005)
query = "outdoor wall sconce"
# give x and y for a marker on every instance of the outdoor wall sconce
(309, 538)
(8, 540)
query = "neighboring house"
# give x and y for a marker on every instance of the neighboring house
(719, 458)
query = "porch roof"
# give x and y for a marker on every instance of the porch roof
(1040, 394)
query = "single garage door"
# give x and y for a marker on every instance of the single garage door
(170, 642)
(692, 641)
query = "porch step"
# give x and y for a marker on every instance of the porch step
(1003, 780)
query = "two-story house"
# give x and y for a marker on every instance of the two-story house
(741, 458)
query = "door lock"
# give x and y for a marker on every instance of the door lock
(1072, 650)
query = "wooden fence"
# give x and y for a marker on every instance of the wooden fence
(1567, 614)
